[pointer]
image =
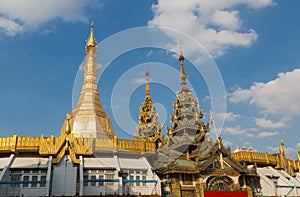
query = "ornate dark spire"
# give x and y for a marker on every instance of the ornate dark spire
(186, 115)
(183, 76)
(148, 125)
(147, 98)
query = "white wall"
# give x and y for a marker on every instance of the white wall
(64, 179)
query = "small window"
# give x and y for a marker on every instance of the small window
(137, 178)
(144, 172)
(35, 171)
(85, 178)
(15, 178)
(93, 179)
(16, 171)
(101, 177)
(110, 176)
(131, 178)
(131, 172)
(26, 171)
(144, 179)
(34, 179)
(93, 171)
(44, 171)
(25, 179)
(138, 172)
(43, 178)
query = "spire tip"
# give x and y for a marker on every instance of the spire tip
(181, 57)
(91, 42)
(147, 98)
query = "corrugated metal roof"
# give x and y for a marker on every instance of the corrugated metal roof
(132, 164)
(30, 162)
(285, 183)
(4, 162)
(106, 163)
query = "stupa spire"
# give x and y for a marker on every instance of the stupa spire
(182, 69)
(147, 98)
(90, 68)
(89, 120)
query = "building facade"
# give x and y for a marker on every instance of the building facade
(88, 159)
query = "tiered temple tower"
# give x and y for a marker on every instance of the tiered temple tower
(190, 161)
(187, 130)
(88, 119)
(148, 125)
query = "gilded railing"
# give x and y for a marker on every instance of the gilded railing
(28, 143)
(50, 145)
(121, 145)
(102, 144)
(256, 157)
(8, 143)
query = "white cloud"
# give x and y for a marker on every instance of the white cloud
(10, 27)
(139, 80)
(226, 19)
(267, 134)
(227, 143)
(216, 24)
(237, 131)
(272, 149)
(289, 151)
(268, 124)
(276, 97)
(230, 116)
(19, 15)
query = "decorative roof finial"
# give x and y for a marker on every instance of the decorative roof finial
(91, 42)
(281, 150)
(182, 70)
(147, 98)
(181, 57)
(68, 127)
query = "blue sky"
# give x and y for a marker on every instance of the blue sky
(254, 43)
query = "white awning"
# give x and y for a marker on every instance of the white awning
(4, 162)
(30, 162)
(106, 163)
(133, 164)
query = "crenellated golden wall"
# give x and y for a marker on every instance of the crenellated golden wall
(56, 147)
(51, 145)
(264, 159)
